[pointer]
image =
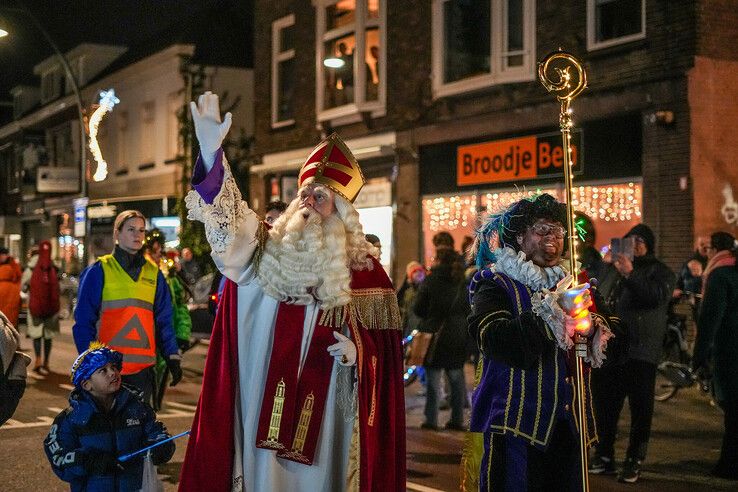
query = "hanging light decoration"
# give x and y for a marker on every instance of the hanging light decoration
(610, 203)
(107, 101)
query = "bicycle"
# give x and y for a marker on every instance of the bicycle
(412, 372)
(674, 371)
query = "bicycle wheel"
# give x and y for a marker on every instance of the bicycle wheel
(666, 387)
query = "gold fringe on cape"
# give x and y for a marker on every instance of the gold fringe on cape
(376, 309)
(471, 458)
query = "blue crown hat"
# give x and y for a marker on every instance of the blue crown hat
(93, 359)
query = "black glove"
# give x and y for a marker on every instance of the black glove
(162, 454)
(175, 368)
(183, 344)
(101, 463)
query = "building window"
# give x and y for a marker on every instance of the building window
(283, 71)
(77, 66)
(51, 85)
(611, 22)
(59, 139)
(350, 55)
(174, 143)
(148, 132)
(479, 43)
(12, 166)
(121, 139)
(18, 106)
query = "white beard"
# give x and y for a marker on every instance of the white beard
(306, 260)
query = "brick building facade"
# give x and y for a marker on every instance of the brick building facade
(652, 122)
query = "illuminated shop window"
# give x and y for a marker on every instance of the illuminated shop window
(614, 209)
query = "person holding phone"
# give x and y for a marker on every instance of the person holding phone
(640, 297)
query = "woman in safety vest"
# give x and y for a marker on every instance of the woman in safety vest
(124, 301)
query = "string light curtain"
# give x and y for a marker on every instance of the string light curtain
(610, 203)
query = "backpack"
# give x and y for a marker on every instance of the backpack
(44, 286)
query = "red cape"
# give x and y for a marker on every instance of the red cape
(208, 460)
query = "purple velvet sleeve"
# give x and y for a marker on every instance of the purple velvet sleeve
(208, 184)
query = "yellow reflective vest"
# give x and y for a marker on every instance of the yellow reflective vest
(126, 320)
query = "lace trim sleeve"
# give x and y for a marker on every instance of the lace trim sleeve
(598, 344)
(223, 217)
(546, 306)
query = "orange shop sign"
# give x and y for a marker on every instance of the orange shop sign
(515, 159)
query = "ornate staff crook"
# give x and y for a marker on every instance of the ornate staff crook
(566, 85)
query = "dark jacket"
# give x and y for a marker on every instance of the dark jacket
(717, 334)
(526, 382)
(688, 282)
(405, 300)
(442, 305)
(82, 433)
(641, 301)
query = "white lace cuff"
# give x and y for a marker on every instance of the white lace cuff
(546, 306)
(598, 342)
(221, 218)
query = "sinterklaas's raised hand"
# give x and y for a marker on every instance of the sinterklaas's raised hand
(209, 128)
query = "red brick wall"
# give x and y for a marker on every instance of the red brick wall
(713, 98)
(717, 31)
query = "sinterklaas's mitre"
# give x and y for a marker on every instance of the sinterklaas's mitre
(332, 164)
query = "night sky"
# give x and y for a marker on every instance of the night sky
(126, 22)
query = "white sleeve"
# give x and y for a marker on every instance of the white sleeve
(231, 227)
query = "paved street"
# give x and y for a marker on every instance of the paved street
(684, 444)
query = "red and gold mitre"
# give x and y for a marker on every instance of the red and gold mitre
(332, 164)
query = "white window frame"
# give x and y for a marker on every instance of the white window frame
(499, 74)
(350, 113)
(279, 56)
(593, 44)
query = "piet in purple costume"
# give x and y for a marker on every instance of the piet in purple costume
(524, 404)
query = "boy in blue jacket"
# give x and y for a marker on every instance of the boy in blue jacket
(105, 420)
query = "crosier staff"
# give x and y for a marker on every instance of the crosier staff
(566, 85)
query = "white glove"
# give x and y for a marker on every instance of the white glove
(208, 127)
(344, 351)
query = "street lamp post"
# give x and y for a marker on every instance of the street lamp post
(80, 111)
(75, 88)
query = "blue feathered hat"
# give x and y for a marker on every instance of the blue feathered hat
(504, 226)
(93, 359)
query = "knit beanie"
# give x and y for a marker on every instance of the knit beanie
(93, 359)
(413, 267)
(645, 232)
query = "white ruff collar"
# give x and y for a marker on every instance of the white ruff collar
(516, 266)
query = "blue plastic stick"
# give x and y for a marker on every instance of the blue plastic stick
(126, 457)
